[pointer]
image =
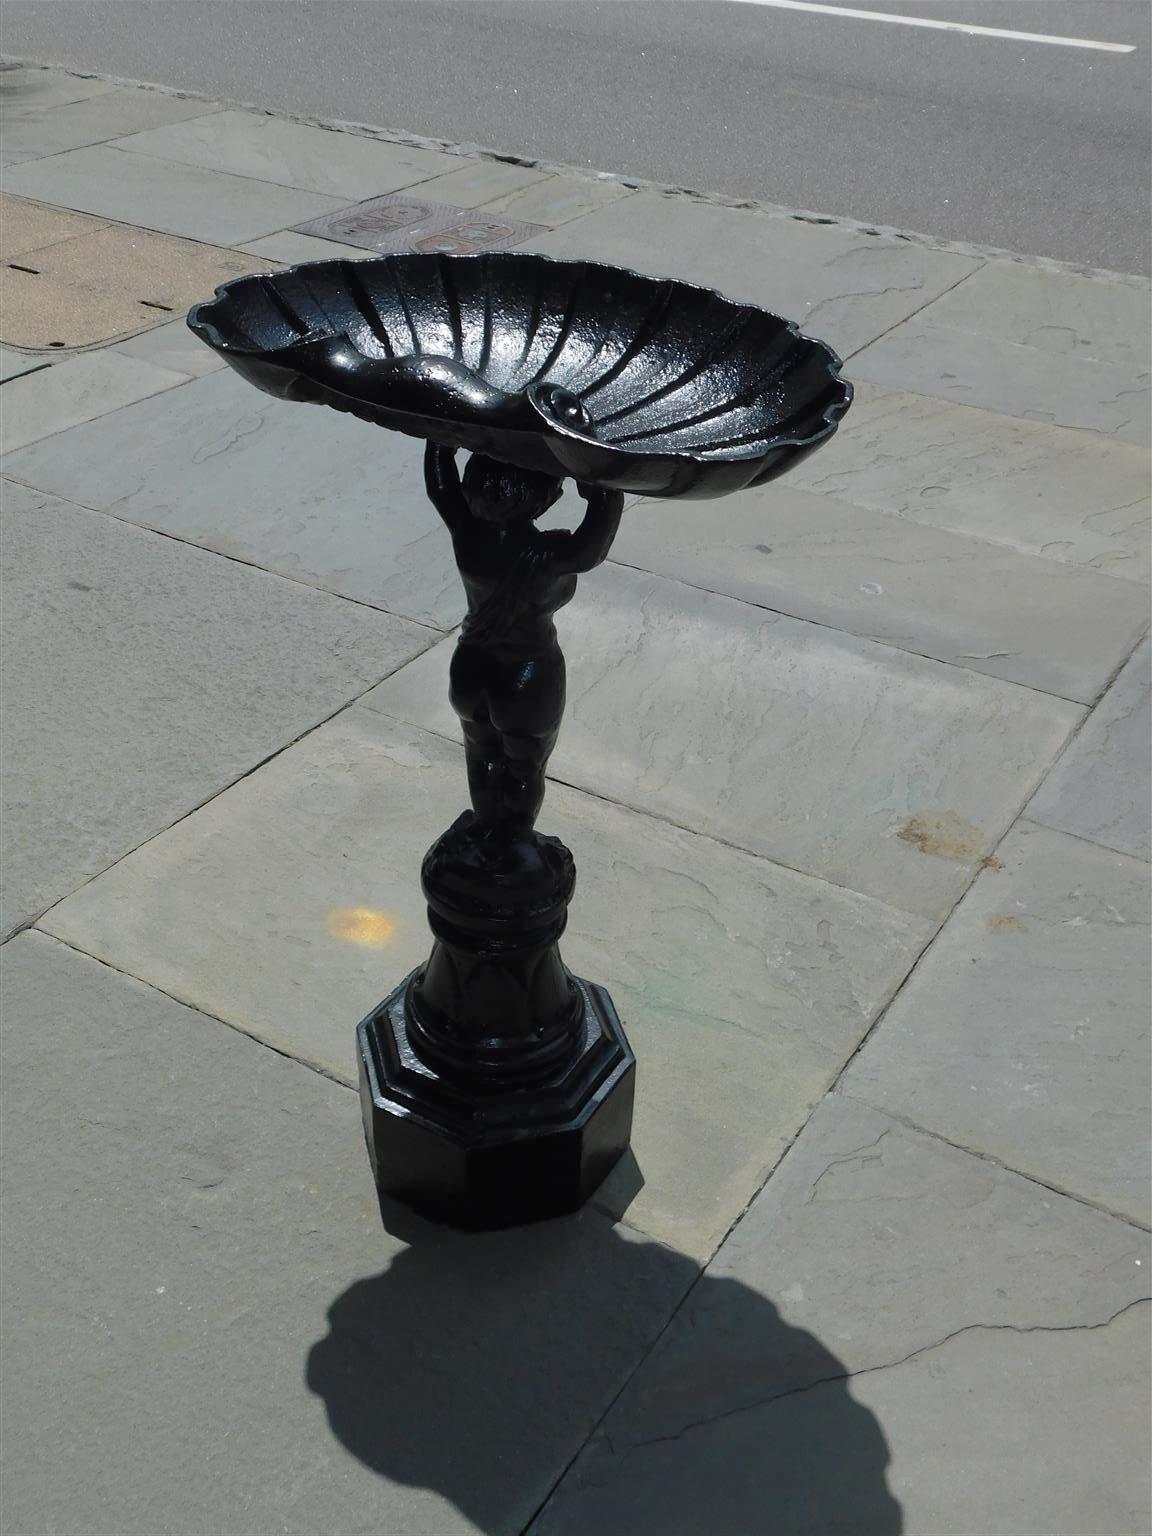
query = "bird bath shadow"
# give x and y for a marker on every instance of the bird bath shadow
(475, 1365)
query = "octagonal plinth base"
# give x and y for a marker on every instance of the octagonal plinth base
(481, 1158)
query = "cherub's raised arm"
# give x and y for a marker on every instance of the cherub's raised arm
(590, 543)
(442, 482)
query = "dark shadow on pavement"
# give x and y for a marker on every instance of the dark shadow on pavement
(476, 1365)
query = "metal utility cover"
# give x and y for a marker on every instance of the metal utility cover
(397, 222)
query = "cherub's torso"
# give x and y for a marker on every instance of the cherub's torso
(524, 563)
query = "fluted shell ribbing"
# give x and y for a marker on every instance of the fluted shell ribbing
(662, 369)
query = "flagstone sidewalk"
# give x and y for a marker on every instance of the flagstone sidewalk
(856, 774)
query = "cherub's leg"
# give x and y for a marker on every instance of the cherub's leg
(484, 756)
(483, 752)
(528, 713)
(522, 791)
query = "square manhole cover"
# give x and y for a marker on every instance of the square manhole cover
(397, 223)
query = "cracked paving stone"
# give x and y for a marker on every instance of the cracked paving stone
(877, 1255)
(1020, 1432)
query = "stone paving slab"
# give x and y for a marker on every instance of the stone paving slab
(53, 399)
(272, 149)
(1000, 375)
(559, 199)
(881, 771)
(13, 364)
(142, 675)
(1052, 311)
(1024, 1031)
(874, 1251)
(242, 1347)
(481, 181)
(1072, 496)
(31, 89)
(985, 1429)
(291, 904)
(324, 500)
(1102, 787)
(288, 246)
(109, 115)
(172, 346)
(165, 195)
(843, 286)
(327, 501)
(966, 601)
(29, 226)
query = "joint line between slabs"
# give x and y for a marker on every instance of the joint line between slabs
(184, 1002)
(913, 314)
(882, 1013)
(903, 650)
(650, 815)
(990, 1157)
(270, 757)
(436, 630)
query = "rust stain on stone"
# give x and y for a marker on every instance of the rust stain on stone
(944, 835)
(1003, 922)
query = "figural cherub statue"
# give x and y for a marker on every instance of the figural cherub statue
(507, 673)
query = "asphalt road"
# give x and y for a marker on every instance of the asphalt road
(1040, 149)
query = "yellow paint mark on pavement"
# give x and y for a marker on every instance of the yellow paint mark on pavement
(361, 925)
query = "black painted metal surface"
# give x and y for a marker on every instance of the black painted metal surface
(496, 1087)
(568, 367)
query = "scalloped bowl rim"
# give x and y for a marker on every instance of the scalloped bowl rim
(196, 322)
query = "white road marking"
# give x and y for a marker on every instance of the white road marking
(942, 26)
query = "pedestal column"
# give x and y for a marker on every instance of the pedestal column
(496, 1086)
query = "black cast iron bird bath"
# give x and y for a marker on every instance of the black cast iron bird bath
(497, 1087)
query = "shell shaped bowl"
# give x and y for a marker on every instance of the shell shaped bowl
(575, 368)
